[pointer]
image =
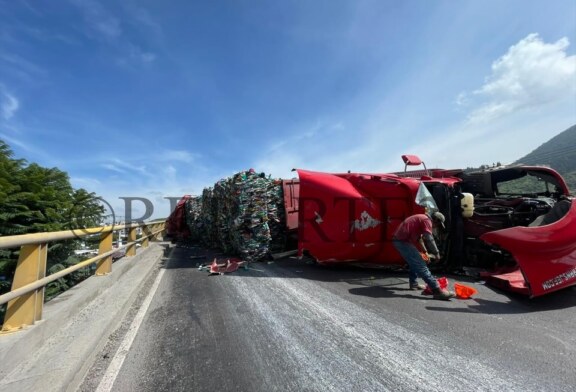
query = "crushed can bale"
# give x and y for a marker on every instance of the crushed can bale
(242, 215)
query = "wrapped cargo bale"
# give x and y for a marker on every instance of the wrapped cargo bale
(250, 234)
(223, 203)
(192, 216)
(208, 237)
(243, 214)
(276, 216)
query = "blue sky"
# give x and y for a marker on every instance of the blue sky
(160, 99)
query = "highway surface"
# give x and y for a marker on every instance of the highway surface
(289, 325)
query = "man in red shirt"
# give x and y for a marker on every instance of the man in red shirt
(407, 241)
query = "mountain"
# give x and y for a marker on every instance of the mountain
(559, 153)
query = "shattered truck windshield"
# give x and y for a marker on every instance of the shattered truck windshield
(528, 185)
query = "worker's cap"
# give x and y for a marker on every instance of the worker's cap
(439, 217)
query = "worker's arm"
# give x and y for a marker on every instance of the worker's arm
(431, 244)
(422, 246)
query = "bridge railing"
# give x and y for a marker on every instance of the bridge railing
(26, 298)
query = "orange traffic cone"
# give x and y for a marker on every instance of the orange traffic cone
(464, 292)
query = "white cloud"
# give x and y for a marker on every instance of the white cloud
(15, 66)
(114, 168)
(104, 25)
(177, 155)
(308, 134)
(147, 57)
(127, 166)
(462, 99)
(135, 53)
(9, 104)
(531, 74)
(144, 20)
(32, 9)
(22, 64)
(315, 144)
(17, 142)
(99, 19)
(167, 182)
(170, 171)
(529, 96)
(85, 182)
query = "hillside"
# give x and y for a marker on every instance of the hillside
(559, 153)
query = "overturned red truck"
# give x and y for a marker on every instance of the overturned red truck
(517, 224)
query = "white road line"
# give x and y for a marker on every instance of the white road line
(114, 368)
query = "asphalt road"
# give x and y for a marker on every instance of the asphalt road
(293, 326)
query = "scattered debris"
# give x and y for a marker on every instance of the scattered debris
(230, 265)
(282, 255)
(463, 291)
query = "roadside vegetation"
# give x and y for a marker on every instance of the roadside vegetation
(36, 199)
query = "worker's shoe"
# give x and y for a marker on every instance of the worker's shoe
(417, 286)
(442, 294)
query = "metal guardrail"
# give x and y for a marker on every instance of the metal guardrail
(26, 299)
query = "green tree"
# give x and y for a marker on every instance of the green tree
(37, 199)
(70, 280)
(13, 209)
(570, 179)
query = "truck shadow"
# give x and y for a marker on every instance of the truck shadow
(389, 283)
(562, 299)
(373, 282)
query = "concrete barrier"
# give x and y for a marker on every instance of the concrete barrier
(55, 353)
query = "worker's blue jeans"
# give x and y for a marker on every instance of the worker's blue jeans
(417, 265)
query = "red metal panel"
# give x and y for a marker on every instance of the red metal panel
(545, 254)
(176, 223)
(412, 160)
(352, 217)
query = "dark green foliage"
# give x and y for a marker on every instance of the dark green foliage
(70, 280)
(58, 286)
(36, 199)
(570, 179)
(527, 185)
